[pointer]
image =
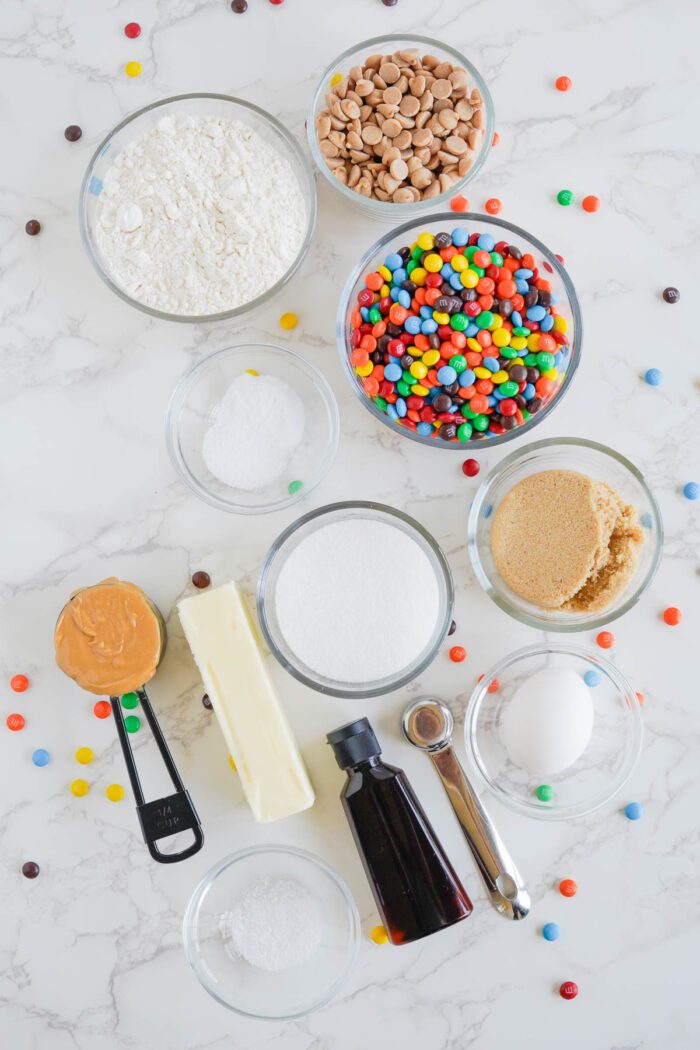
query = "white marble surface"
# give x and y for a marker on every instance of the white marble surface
(90, 953)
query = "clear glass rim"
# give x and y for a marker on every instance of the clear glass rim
(344, 690)
(515, 801)
(455, 218)
(308, 188)
(384, 208)
(605, 617)
(198, 897)
(179, 396)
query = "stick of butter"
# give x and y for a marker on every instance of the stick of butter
(220, 634)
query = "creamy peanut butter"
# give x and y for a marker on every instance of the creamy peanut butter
(109, 638)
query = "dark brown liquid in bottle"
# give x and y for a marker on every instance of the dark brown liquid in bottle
(415, 886)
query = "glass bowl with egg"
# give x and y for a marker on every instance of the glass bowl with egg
(98, 217)
(327, 131)
(554, 731)
(241, 469)
(565, 534)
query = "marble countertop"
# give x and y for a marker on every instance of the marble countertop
(90, 952)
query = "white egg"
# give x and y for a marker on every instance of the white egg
(548, 722)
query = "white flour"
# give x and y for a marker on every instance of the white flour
(255, 430)
(199, 215)
(274, 926)
(357, 600)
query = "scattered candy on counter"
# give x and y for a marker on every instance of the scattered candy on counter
(102, 709)
(568, 888)
(15, 722)
(390, 3)
(493, 687)
(654, 376)
(691, 490)
(132, 69)
(30, 869)
(458, 337)
(130, 701)
(459, 203)
(32, 227)
(276, 3)
(493, 205)
(671, 295)
(471, 468)
(379, 935)
(565, 197)
(453, 627)
(201, 579)
(592, 679)
(132, 30)
(458, 654)
(606, 639)
(115, 792)
(206, 702)
(634, 810)
(562, 83)
(288, 321)
(672, 616)
(545, 792)
(84, 755)
(568, 990)
(550, 931)
(590, 203)
(294, 486)
(73, 133)
(79, 788)
(19, 683)
(41, 757)
(239, 7)
(132, 723)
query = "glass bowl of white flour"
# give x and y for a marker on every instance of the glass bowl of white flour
(355, 599)
(252, 428)
(197, 208)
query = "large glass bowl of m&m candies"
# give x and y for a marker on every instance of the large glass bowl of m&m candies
(459, 331)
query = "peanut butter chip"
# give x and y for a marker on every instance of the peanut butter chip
(371, 134)
(391, 128)
(389, 72)
(364, 88)
(409, 106)
(399, 169)
(441, 89)
(392, 96)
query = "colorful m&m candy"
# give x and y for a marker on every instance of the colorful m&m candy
(458, 337)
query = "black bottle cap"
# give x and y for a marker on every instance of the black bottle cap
(353, 743)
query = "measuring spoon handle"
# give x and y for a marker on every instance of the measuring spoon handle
(501, 877)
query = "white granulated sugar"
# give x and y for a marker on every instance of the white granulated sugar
(199, 215)
(274, 926)
(357, 600)
(254, 432)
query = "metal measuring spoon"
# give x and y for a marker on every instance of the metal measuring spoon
(428, 724)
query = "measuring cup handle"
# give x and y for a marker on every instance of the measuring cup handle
(166, 816)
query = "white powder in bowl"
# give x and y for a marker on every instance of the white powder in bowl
(254, 432)
(199, 215)
(274, 926)
(357, 600)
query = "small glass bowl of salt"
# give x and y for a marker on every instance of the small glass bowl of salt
(271, 932)
(252, 428)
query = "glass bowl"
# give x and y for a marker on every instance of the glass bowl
(606, 763)
(197, 104)
(200, 390)
(264, 994)
(290, 538)
(390, 211)
(561, 286)
(586, 457)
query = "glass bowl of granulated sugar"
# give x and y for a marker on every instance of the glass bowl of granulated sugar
(252, 428)
(197, 208)
(355, 599)
(272, 932)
